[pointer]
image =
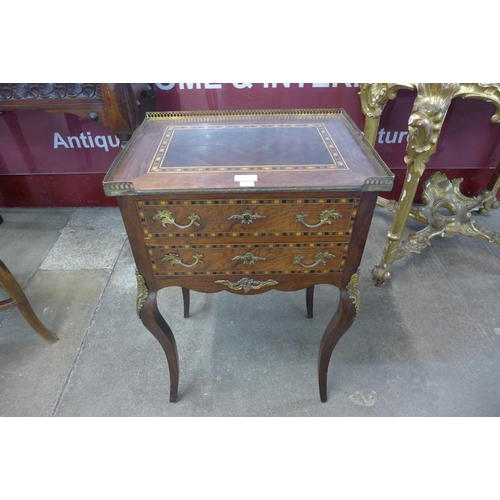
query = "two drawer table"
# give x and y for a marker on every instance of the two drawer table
(247, 202)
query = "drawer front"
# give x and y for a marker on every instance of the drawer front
(278, 258)
(260, 217)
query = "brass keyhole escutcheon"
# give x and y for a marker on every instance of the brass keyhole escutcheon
(248, 259)
(246, 217)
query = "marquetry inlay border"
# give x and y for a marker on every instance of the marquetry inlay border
(339, 248)
(337, 161)
(246, 203)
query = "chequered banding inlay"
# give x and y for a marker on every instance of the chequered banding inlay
(339, 249)
(301, 204)
(337, 161)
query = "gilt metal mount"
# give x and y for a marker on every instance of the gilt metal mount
(324, 218)
(248, 259)
(174, 259)
(319, 258)
(167, 217)
(246, 284)
(246, 217)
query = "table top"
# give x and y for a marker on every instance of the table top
(241, 151)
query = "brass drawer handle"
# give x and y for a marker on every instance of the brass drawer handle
(174, 258)
(249, 258)
(246, 217)
(324, 218)
(319, 258)
(246, 284)
(166, 217)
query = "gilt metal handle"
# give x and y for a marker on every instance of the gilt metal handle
(246, 217)
(319, 258)
(166, 217)
(175, 258)
(324, 218)
(249, 258)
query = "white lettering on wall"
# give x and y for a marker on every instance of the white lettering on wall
(86, 141)
(218, 86)
(165, 86)
(386, 137)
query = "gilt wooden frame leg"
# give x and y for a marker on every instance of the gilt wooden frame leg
(19, 299)
(424, 126)
(425, 123)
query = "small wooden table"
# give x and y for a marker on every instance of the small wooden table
(247, 202)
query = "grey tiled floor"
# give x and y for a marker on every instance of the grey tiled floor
(426, 344)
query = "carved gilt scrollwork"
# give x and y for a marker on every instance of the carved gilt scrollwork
(425, 123)
(489, 92)
(448, 212)
(374, 97)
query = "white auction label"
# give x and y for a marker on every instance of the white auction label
(246, 180)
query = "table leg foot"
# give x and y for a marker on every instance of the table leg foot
(19, 299)
(339, 324)
(156, 324)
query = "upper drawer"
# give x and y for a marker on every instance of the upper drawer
(259, 217)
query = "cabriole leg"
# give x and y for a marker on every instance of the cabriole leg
(339, 324)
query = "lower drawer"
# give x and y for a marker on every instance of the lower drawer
(275, 258)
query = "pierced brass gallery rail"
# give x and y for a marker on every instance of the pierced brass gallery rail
(166, 217)
(249, 258)
(319, 258)
(174, 258)
(324, 218)
(246, 217)
(246, 284)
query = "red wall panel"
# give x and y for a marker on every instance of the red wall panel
(60, 160)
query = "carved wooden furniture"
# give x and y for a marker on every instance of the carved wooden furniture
(120, 106)
(18, 298)
(247, 202)
(446, 211)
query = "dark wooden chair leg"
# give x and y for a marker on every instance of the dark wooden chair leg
(339, 324)
(310, 301)
(185, 299)
(156, 324)
(19, 299)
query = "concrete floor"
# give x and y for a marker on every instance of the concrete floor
(426, 344)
